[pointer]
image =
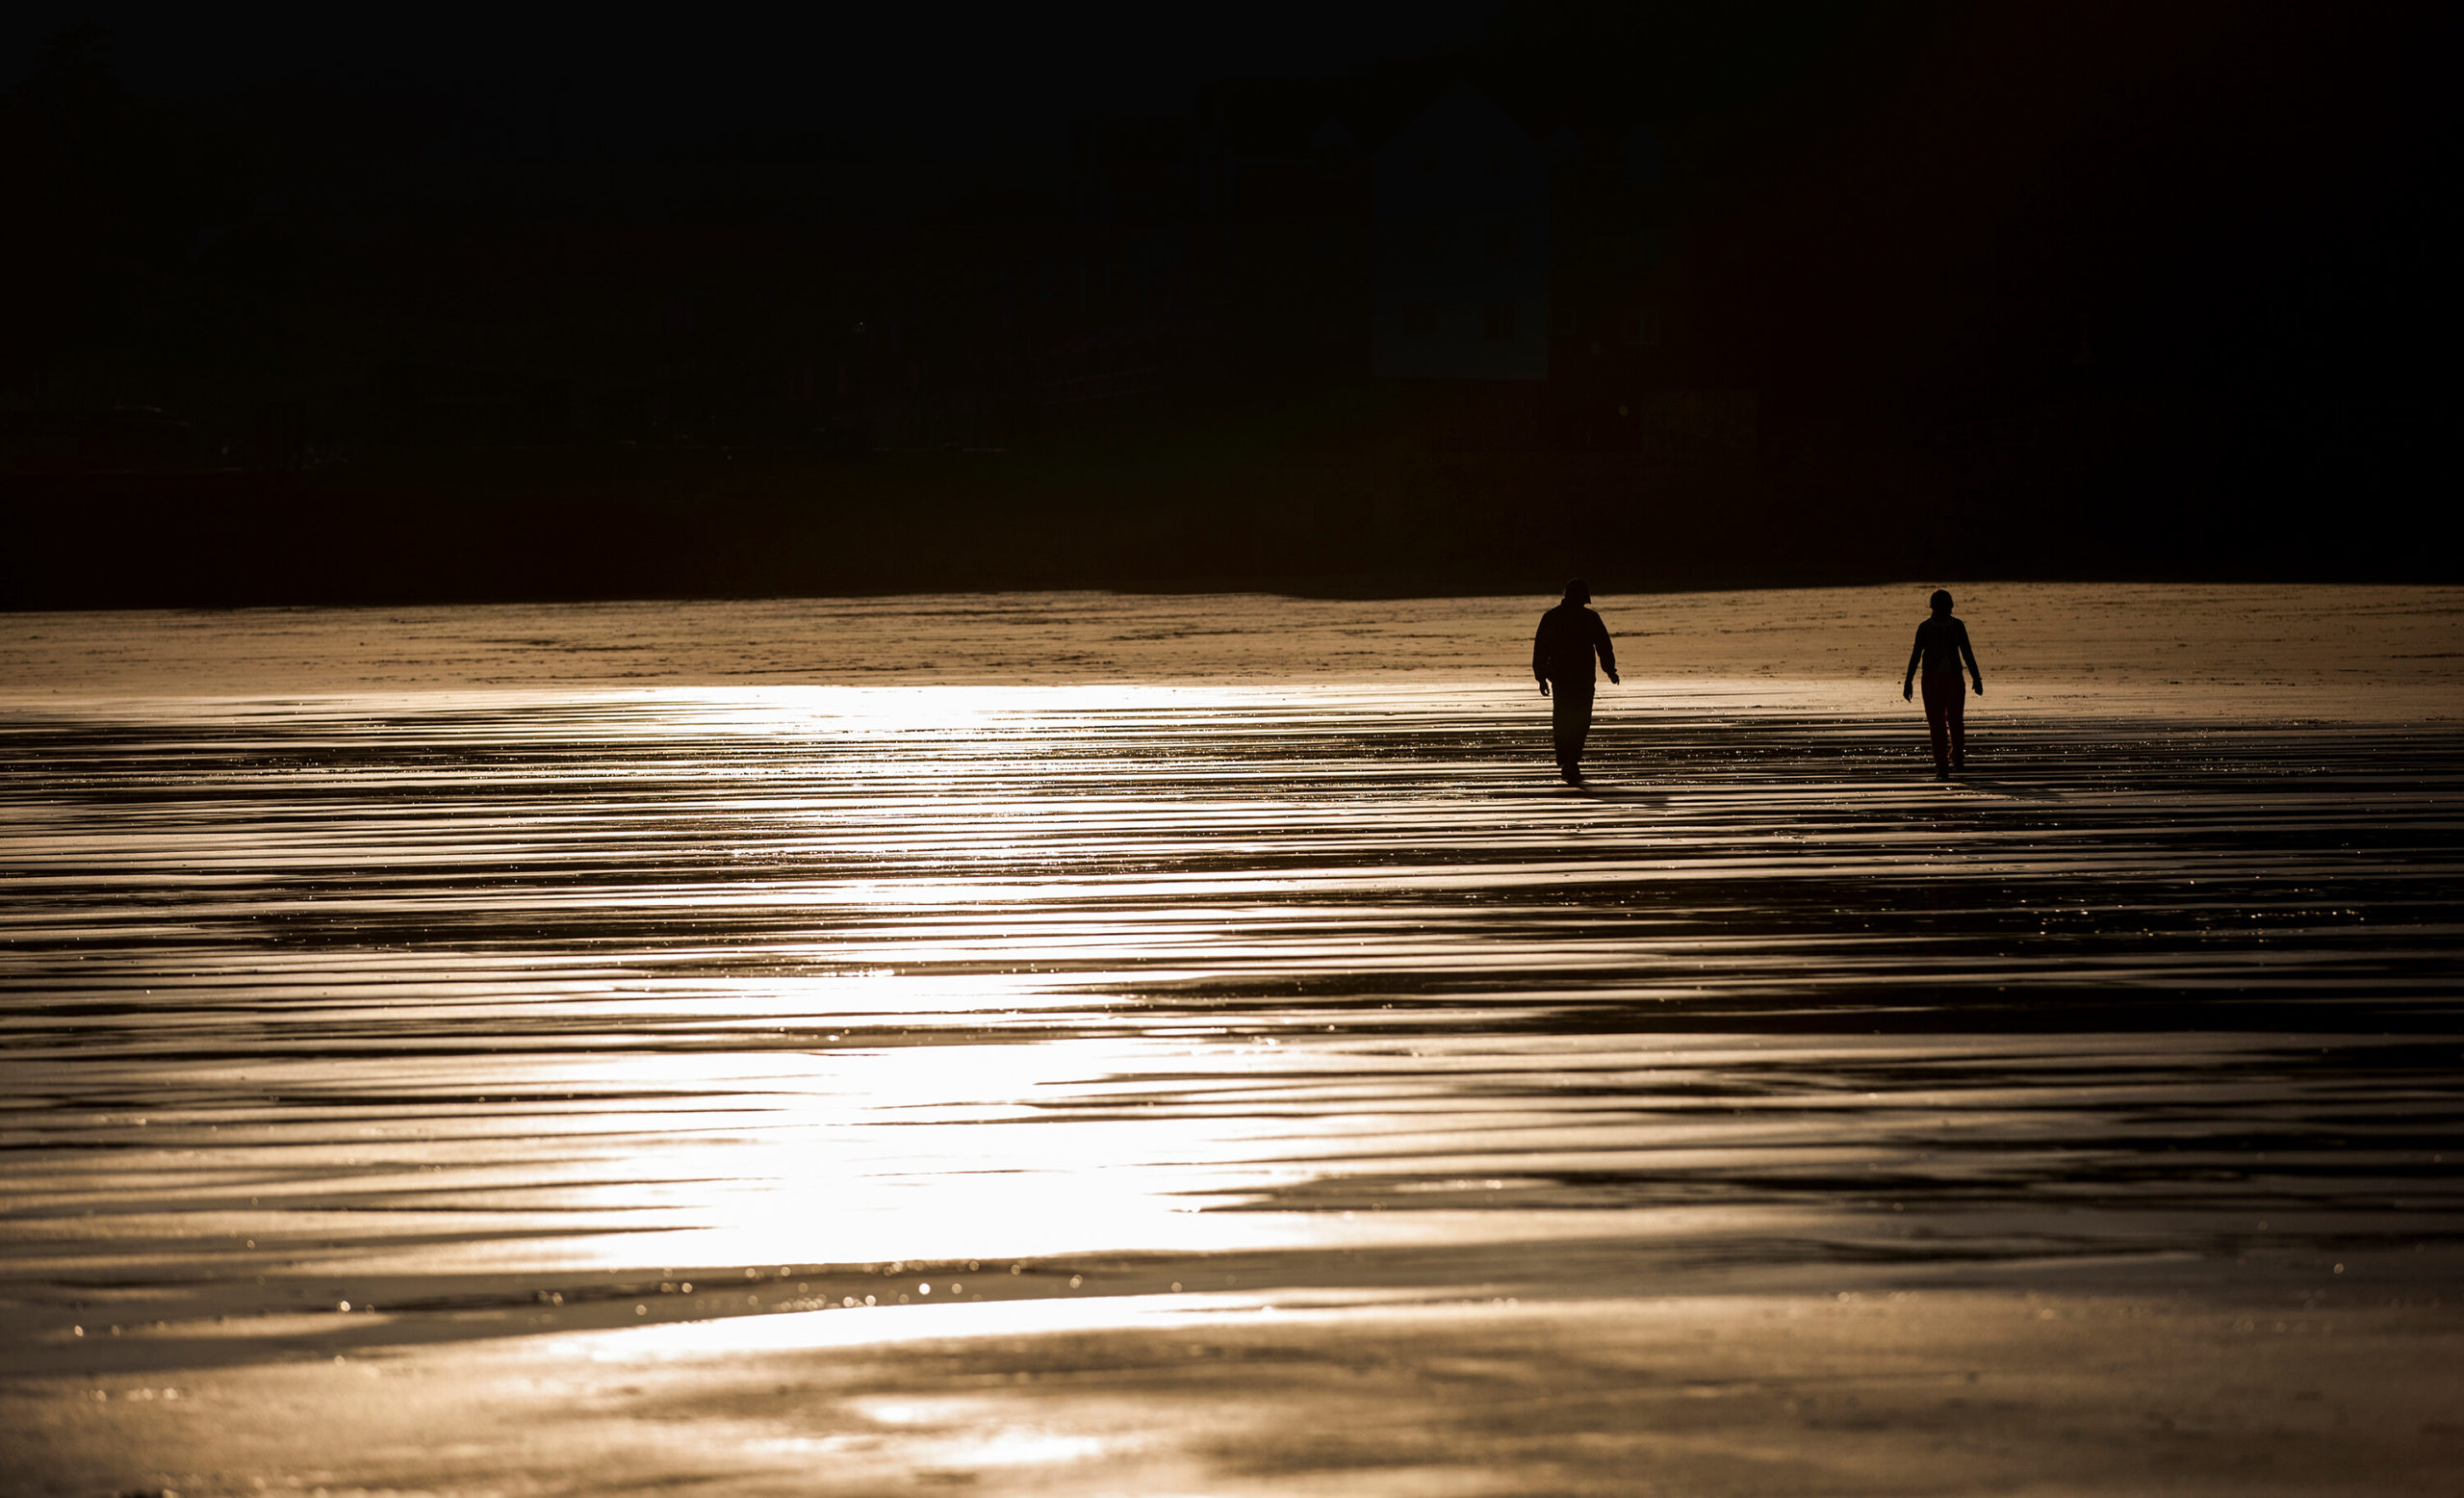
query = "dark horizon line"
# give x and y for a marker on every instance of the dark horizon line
(1396, 587)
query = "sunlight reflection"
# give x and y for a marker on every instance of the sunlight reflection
(438, 984)
(872, 1325)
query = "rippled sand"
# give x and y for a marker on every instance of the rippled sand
(1216, 1083)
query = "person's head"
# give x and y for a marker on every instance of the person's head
(1941, 601)
(1578, 591)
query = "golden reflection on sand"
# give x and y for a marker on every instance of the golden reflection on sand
(673, 1025)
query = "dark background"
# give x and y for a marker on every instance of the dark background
(336, 305)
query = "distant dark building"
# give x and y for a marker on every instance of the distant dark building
(1460, 205)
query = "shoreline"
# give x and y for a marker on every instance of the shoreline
(2379, 653)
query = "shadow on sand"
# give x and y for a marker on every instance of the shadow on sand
(1618, 795)
(2005, 790)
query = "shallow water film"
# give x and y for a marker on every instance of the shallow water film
(930, 1038)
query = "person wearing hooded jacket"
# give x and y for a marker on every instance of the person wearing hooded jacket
(1562, 651)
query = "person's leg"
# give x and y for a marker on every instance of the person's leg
(1570, 722)
(1959, 723)
(1940, 704)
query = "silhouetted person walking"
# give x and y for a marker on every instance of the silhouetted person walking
(1570, 635)
(1941, 645)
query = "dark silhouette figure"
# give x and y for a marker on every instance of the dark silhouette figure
(1570, 635)
(1941, 645)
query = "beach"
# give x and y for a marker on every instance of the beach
(1088, 1043)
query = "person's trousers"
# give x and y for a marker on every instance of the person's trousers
(1570, 719)
(1945, 708)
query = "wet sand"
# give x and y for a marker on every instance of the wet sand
(1281, 1083)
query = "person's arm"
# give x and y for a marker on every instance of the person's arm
(1974, 675)
(1916, 654)
(1540, 657)
(1607, 651)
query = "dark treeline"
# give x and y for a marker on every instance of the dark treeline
(1674, 296)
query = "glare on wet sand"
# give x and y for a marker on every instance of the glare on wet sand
(672, 1034)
